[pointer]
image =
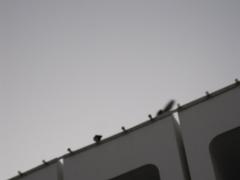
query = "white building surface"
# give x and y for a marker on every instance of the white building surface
(205, 146)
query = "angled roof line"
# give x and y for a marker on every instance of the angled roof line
(120, 134)
(208, 96)
(23, 174)
(132, 129)
(85, 148)
(148, 122)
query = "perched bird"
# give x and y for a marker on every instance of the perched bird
(44, 162)
(237, 81)
(20, 173)
(97, 138)
(123, 129)
(69, 150)
(150, 117)
(167, 108)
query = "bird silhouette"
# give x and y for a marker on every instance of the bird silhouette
(20, 173)
(159, 112)
(123, 129)
(69, 150)
(44, 162)
(150, 117)
(167, 108)
(97, 138)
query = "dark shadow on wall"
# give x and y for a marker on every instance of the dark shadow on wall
(225, 154)
(147, 172)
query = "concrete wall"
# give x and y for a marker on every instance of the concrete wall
(201, 123)
(153, 144)
(204, 147)
(48, 172)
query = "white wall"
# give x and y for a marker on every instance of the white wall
(201, 123)
(153, 144)
(49, 172)
(158, 143)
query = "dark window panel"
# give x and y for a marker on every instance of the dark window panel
(147, 172)
(225, 154)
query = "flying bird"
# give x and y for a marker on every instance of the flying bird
(167, 108)
(159, 112)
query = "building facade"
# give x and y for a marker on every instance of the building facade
(205, 144)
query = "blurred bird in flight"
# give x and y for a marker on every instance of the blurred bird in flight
(167, 108)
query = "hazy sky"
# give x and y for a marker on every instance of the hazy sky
(70, 69)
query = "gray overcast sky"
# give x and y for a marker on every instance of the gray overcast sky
(72, 68)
